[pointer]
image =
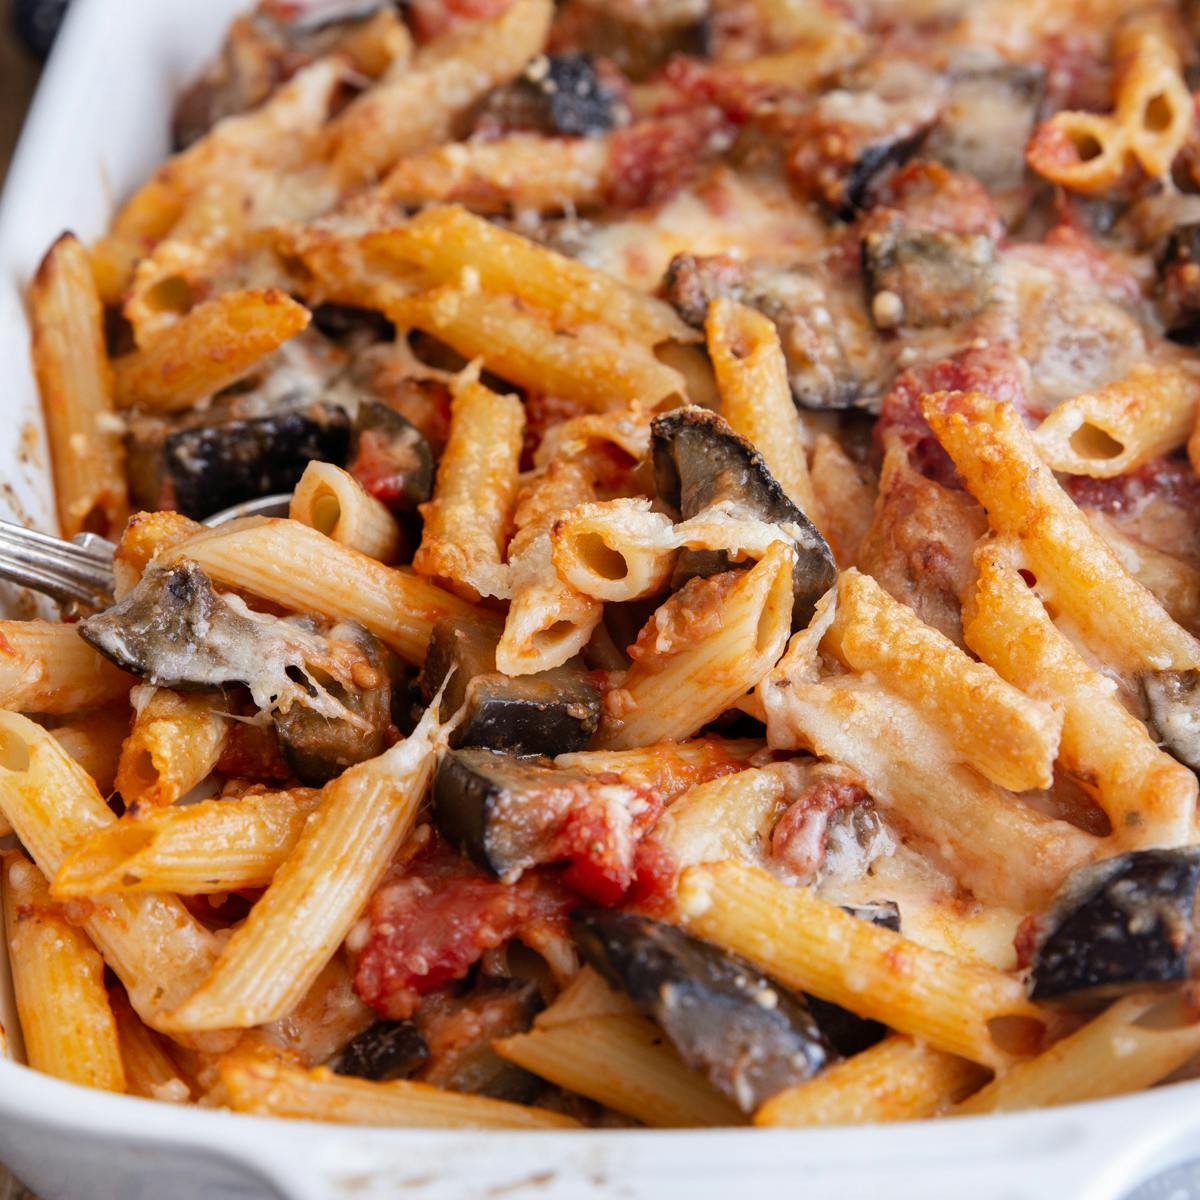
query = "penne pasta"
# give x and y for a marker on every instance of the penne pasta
(674, 697)
(1122, 426)
(301, 569)
(275, 1089)
(548, 621)
(614, 550)
(58, 981)
(467, 523)
(334, 503)
(175, 743)
(149, 1069)
(1149, 797)
(1004, 735)
(216, 344)
(48, 668)
(316, 895)
(94, 741)
(144, 536)
(1075, 569)
(76, 385)
(195, 849)
(806, 943)
(898, 1079)
(621, 1061)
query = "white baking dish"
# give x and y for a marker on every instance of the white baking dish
(98, 126)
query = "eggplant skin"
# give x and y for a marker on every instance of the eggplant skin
(385, 1050)
(391, 458)
(212, 467)
(549, 712)
(749, 1036)
(699, 461)
(1173, 700)
(1179, 284)
(558, 94)
(1120, 925)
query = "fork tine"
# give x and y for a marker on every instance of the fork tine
(88, 573)
(17, 535)
(49, 583)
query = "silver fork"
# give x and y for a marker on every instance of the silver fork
(81, 571)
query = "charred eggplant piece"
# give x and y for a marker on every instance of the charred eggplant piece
(557, 94)
(987, 121)
(386, 1050)
(173, 630)
(549, 712)
(1120, 925)
(749, 1036)
(1179, 284)
(1173, 698)
(391, 458)
(847, 1032)
(498, 808)
(318, 748)
(834, 358)
(699, 462)
(341, 322)
(923, 279)
(212, 467)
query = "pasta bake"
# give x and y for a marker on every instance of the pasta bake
(731, 655)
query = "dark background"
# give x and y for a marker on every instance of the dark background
(18, 74)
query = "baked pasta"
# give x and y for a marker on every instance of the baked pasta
(731, 653)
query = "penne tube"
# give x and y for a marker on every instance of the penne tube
(1009, 738)
(276, 1089)
(1175, 583)
(756, 398)
(158, 950)
(811, 945)
(624, 1062)
(669, 767)
(1153, 103)
(58, 982)
(213, 346)
(1120, 427)
(1132, 1045)
(1005, 851)
(614, 550)
(587, 995)
(845, 497)
(468, 521)
(1082, 151)
(548, 621)
(94, 741)
(334, 503)
(898, 1079)
(194, 849)
(1149, 798)
(146, 533)
(75, 380)
(317, 894)
(417, 105)
(302, 570)
(445, 240)
(1076, 571)
(592, 364)
(522, 171)
(175, 743)
(149, 1069)
(46, 667)
(674, 697)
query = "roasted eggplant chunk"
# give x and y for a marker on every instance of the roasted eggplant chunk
(385, 1050)
(987, 120)
(923, 279)
(1179, 284)
(557, 94)
(749, 1036)
(1173, 698)
(174, 631)
(1120, 925)
(318, 748)
(700, 462)
(210, 467)
(391, 458)
(834, 356)
(549, 712)
(345, 322)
